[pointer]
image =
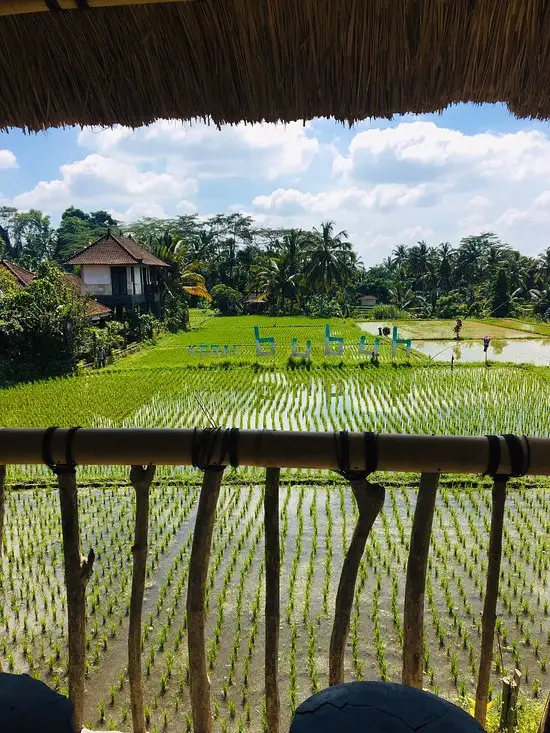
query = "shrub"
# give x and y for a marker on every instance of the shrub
(387, 313)
(321, 306)
(176, 314)
(227, 300)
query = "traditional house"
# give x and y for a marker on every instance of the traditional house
(22, 277)
(367, 301)
(19, 275)
(119, 273)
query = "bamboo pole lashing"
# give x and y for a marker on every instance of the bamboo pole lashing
(415, 586)
(488, 618)
(77, 573)
(268, 449)
(199, 682)
(272, 598)
(370, 500)
(140, 478)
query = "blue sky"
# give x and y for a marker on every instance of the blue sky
(433, 177)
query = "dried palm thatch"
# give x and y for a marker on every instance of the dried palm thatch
(253, 60)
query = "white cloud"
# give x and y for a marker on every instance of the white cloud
(385, 183)
(203, 151)
(383, 197)
(417, 180)
(159, 168)
(411, 150)
(8, 159)
(97, 181)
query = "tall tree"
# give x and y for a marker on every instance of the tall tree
(328, 258)
(500, 305)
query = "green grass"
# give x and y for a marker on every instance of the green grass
(530, 327)
(472, 329)
(173, 351)
(197, 316)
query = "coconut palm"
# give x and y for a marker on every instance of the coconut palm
(180, 273)
(543, 269)
(400, 255)
(276, 278)
(328, 256)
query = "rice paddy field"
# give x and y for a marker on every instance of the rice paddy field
(167, 386)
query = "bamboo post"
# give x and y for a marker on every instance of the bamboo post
(510, 692)
(370, 500)
(140, 479)
(77, 572)
(545, 722)
(2, 505)
(415, 587)
(272, 597)
(199, 682)
(2, 512)
(488, 619)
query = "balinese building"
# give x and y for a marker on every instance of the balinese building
(23, 277)
(120, 273)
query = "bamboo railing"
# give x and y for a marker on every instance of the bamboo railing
(354, 455)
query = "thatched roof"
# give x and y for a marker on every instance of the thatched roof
(253, 60)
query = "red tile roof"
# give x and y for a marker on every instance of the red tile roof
(93, 307)
(115, 250)
(23, 277)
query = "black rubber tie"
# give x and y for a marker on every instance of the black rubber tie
(47, 457)
(234, 447)
(494, 455)
(519, 458)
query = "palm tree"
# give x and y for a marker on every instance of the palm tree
(446, 258)
(328, 256)
(400, 255)
(419, 256)
(516, 270)
(543, 270)
(541, 299)
(402, 295)
(180, 273)
(277, 280)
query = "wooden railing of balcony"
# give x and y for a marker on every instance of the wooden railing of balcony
(354, 455)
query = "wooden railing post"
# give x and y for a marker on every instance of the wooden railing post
(413, 611)
(488, 619)
(272, 597)
(199, 682)
(77, 572)
(370, 500)
(140, 479)
(545, 722)
(2, 514)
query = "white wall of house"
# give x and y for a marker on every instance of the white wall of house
(97, 279)
(137, 279)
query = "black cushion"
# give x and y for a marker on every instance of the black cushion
(373, 707)
(29, 706)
